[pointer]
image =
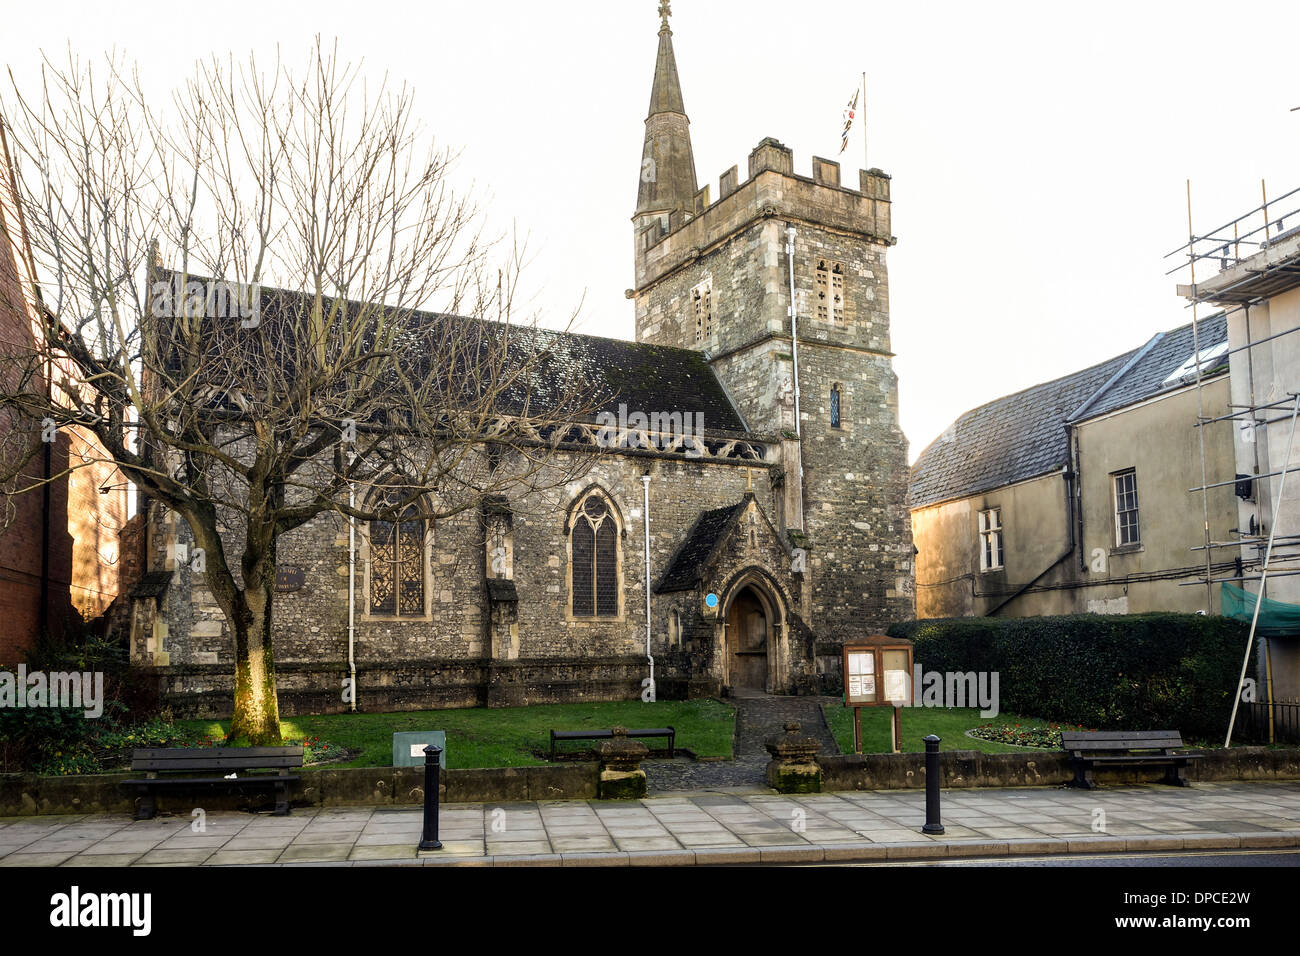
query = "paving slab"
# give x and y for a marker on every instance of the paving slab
(390, 852)
(122, 859)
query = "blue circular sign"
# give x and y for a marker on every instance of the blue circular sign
(711, 599)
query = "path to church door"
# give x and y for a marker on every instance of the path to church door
(747, 635)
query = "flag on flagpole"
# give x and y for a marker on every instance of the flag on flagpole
(850, 112)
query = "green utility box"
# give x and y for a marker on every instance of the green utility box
(408, 747)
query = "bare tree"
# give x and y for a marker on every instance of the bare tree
(330, 318)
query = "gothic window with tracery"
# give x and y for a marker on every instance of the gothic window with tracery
(397, 565)
(594, 542)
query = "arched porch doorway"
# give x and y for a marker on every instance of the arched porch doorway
(748, 635)
(753, 626)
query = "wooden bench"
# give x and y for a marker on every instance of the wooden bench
(557, 735)
(175, 770)
(1124, 748)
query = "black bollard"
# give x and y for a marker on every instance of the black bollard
(932, 824)
(432, 755)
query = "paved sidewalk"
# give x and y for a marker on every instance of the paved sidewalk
(699, 828)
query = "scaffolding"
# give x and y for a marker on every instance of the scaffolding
(1257, 257)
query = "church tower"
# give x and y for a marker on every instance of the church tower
(716, 275)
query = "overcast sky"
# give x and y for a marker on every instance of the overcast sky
(1038, 151)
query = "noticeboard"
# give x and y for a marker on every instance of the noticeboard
(898, 675)
(859, 676)
(878, 671)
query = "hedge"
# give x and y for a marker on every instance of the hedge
(1108, 672)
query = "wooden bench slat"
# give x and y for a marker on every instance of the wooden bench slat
(1125, 742)
(175, 752)
(1122, 734)
(1128, 743)
(227, 764)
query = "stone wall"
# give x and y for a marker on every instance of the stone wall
(1047, 768)
(455, 655)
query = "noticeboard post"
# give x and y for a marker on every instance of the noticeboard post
(878, 673)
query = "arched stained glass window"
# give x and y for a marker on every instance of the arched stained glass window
(595, 551)
(397, 565)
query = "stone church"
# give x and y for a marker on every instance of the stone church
(779, 533)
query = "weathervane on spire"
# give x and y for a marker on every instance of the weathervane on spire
(665, 11)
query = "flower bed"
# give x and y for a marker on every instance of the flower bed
(1042, 736)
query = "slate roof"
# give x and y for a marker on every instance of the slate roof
(609, 372)
(1022, 436)
(691, 558)
(1165, 355)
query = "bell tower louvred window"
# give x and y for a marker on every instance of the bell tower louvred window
(829, 282)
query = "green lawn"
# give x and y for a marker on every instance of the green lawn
(950, 724)
(504, 736)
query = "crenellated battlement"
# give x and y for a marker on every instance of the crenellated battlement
(773, 190)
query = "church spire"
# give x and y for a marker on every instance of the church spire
(667, 181)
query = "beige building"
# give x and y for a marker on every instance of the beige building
(1074, 495)
(1250, 268)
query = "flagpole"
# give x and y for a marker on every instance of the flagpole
(865, 164)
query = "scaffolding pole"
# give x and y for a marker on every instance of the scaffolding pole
(1263, 578)
(1200, 412)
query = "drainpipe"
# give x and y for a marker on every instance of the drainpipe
(1076, 466)
(645, 504)
(794, 357)
(794, 335)
(352, 595)
(1071, 480)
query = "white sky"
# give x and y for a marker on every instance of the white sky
(1038, 150)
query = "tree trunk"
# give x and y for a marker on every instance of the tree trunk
(256, 720)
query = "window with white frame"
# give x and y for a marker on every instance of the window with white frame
(1127, 532)
(991, 540)
(702, 299)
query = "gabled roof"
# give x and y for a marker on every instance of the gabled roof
(609, 372)
(688, 564)
(1022, 436)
